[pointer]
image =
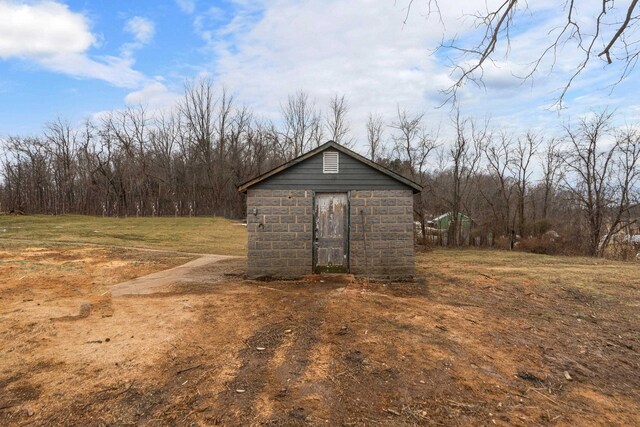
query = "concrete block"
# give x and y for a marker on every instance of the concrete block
(279, 210)
(297, 210)
(272, 219)
(389, 219)
(259, 193)
(265, 201)
(262, 245)
(380, 210)
(397, 210)
(280, 228)
(295, 227)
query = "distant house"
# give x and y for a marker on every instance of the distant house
(443, 223)
(330, 210)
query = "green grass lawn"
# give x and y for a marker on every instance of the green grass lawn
(199, 234)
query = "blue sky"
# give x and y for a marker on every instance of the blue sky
(76, 59)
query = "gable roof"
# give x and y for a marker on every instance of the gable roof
(448, 214)
(334, 145)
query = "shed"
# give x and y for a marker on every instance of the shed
(443, 224)
(330, 210)
(443, 221)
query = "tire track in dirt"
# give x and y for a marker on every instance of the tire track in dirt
(289, 388)
(270, 384)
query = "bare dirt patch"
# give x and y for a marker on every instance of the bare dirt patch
(474, 342)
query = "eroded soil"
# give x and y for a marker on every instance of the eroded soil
(486, 347)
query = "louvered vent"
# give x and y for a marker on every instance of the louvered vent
(330, 162)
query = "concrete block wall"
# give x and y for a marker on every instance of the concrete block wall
(280, 232)
(381, 233)
(381, 238)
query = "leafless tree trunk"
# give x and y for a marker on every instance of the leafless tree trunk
(375, 126)
(601, 178)
(524, 152)
(337, 124)
(413, 145)
(62, 149)
(465, 155)
(302, 124)
(499, 154)
(551, 169)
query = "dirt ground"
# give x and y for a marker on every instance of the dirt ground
(479, 338)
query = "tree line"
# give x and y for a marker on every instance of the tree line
(582, 183)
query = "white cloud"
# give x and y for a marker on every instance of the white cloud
(54, 37)
(111, 69)
(142, 29)
(42, 30)
(187, 6)
(360, 49)
(154, 95)
(363, 49)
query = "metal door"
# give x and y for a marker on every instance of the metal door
(330, 232)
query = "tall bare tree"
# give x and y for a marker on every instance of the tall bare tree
(465, 154)
(375, 129)
(601, 177)
(413, 145)
(337, 124)
(499, 155)
(524, 152)
(551, 170)
(302, 124)
(62, 148)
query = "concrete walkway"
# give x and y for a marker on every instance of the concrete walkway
(152, 283)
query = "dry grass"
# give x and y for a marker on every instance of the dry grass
(601, 276)
(199, 235)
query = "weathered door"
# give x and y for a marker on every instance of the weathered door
(331, 222)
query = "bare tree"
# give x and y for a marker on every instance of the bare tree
(413, 145)
(607, 33)
(409, 129)
(133, 161)
(375, 126)
(164, 139)
(524, 152)
(551, 170)
(198, 111)
(337, 124)
(61, 148)
(499, 155)
(465, 155)
(301, 124)
(628, 177)
(601, 178)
